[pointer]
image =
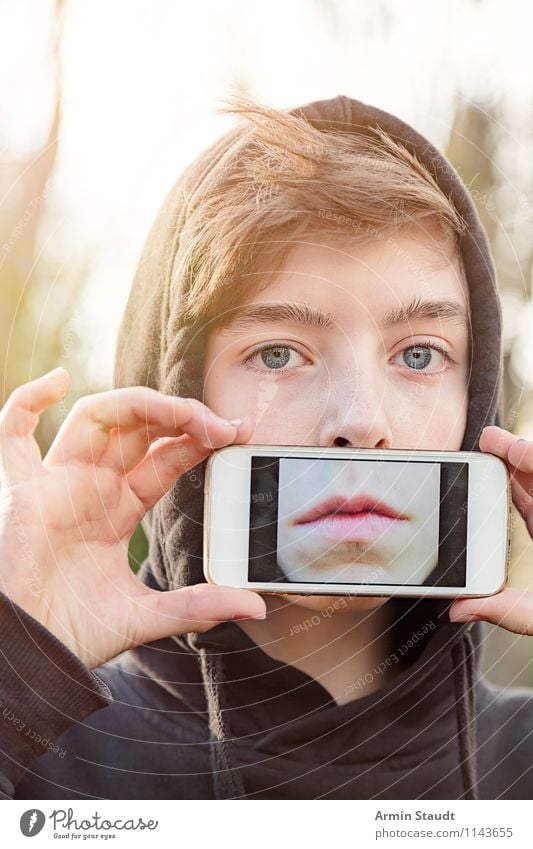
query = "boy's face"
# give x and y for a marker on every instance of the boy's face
(361, 375)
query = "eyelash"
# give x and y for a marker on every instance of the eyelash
(426, 343)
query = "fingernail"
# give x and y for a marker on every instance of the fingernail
(235, 422)
(223, 421)
(457, 616)
(241, 616)
(524, 446)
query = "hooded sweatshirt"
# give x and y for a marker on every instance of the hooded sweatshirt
(213, 715)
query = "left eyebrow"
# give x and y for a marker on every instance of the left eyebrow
(241, 318)
(449, 311)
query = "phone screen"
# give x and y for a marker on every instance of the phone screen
(355, 522)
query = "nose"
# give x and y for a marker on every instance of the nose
(357, 415)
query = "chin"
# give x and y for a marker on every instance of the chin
(335, 604)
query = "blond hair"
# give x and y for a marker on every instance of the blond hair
(288, 181)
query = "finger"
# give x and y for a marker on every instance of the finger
(521, 455)
(496, 440)
(523, 502)
(20, 455)
(194, 609)
(126, 449)
(84, 435)
(167, 460)
(518, 452)
(512, 609)
(127, 446)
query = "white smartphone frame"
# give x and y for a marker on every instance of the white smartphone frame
(226, 548)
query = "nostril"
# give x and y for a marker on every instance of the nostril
(340, 441)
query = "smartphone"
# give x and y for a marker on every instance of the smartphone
(334, 521)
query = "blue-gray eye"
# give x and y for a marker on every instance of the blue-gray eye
(417, 356)
(276, 356)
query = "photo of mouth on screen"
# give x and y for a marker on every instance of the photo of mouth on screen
(328, 520)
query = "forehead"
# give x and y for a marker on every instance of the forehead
(384, 283)
(369, 275)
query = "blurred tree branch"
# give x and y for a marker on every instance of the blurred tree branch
(36, 298)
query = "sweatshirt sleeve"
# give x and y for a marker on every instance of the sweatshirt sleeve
(44, 689)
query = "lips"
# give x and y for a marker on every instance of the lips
(362, 519)
(339, 506)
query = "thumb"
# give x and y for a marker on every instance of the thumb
(194, 609)
(510, 608)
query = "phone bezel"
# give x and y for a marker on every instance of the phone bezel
(488, 551)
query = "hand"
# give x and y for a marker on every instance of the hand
(66, 521)
(510, 608)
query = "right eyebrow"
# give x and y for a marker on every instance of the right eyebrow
(244, 317)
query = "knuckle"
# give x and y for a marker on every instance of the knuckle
(141, 393)
(138, 398)
(16, 420)
(196, 405)
(188, 603)
(79, 406)
(14, 399)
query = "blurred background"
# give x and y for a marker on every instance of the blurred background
(102, 105)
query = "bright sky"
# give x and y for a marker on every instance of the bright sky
(142, 81)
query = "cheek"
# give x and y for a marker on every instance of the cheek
(281, 410)
(225, 393)
(448, 419)
(431, 417)
(281, 426)
(281, 414)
